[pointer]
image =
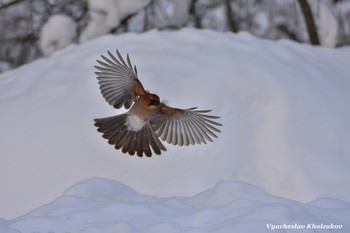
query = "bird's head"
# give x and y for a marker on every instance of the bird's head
(151, 100)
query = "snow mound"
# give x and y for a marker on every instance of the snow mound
(57, 33)
(284, 108)
(101, 205)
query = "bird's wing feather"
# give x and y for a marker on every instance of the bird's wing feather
(184, 126)
(118, 80)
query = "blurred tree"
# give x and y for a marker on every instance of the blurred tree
(231, 21)
(193, 13)
(20, 26)
(21, 21)
(310, 23)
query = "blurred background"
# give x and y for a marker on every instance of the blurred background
(30, 29)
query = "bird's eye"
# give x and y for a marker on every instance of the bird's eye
(153, 103)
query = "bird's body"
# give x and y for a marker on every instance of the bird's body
(138, 131)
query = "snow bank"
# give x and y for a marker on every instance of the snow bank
(284, 107)
(100, 205)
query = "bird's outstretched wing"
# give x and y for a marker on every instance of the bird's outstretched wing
(184, 126)
(118, 81)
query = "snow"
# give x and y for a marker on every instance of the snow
(106, 15)
(284, 109)
(57, 33)
(171, 13)
(215, 18)
(101, 205)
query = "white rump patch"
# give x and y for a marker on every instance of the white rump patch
(134, 123)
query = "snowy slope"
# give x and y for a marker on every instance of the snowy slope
(284, 106)
(106, 206)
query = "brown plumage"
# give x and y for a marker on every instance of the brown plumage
(138, 130)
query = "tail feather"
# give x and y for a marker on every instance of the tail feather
(140, 142)
(145, 144)
(126, 142)
(133, 144)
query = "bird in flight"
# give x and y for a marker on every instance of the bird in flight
(148, 119)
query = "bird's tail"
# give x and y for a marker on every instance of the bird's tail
(140, 142)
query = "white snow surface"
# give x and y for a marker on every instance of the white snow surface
(285, 113)
(99, 205)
